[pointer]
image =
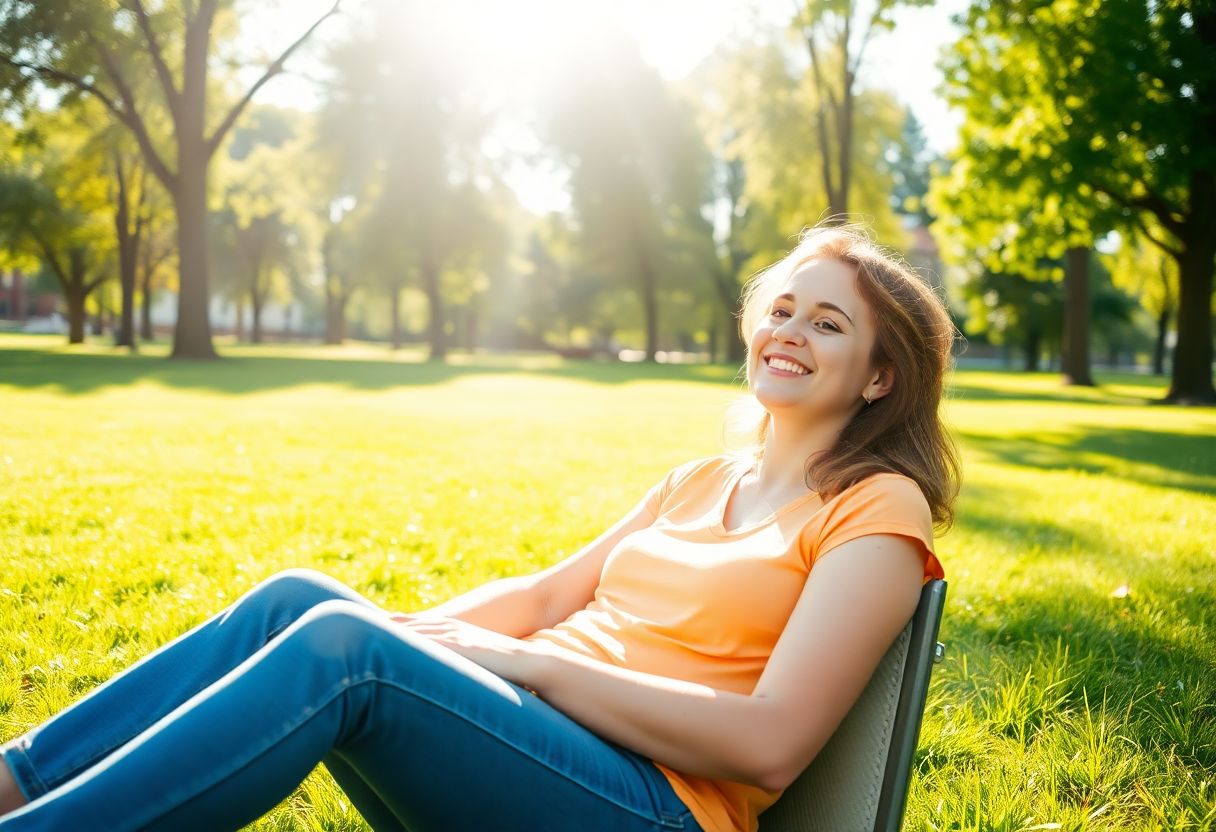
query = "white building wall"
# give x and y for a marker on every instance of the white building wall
(276, 317)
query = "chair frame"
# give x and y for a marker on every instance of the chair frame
(875, 776)
(924, 651)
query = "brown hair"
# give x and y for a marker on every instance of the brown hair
(901, 432)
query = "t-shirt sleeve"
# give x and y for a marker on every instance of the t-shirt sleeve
(661, 490)
(880, 504)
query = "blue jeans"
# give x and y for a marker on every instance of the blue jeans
(215, 728)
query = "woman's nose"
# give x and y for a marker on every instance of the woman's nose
(788, 332)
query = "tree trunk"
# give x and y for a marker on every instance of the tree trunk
(128, 251)
(648, 289)
(1163, 326)
(240, 319)
(145, 313)
(434, 300)
(335, 291)
(75, 298)
(256, 299)
(331, 312)
(145, 296)
(846, 138)
(470, 328)
(1192, 378)
(1033, 339)
(1075, 346)
(192, 334)
(395, 307)
(736, 349)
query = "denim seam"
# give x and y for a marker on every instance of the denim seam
(23, 768)
(351, 682)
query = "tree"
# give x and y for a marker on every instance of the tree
(638, 169)
(767, 99)
(92, 48)
(836, 35)
(266, 218)
(912, 164)
(156, 255)
(1116, 102)
(338, 273)
(1002, 202)
(406, 118)
(129, 196)
(54, 208)
(1148, 272)
(1015, 311)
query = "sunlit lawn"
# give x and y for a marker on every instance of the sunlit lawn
(138, 496)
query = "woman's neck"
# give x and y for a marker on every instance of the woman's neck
(787, 448)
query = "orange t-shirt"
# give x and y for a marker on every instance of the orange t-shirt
(686, 599)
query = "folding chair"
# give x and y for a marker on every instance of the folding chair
(859, 781)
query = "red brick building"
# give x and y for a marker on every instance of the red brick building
(18, 303)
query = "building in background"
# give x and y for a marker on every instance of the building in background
(21, 301)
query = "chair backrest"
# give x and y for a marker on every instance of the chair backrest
(859, 781)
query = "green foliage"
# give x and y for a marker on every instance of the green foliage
(265, 232)
(762, 109)
(912, 164)
(639, 171)
(55, 206)
(404, 118)
(1076, 692)
(1081, 117)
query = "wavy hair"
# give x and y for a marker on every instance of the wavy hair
(903, 431)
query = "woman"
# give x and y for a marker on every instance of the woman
(676, 673)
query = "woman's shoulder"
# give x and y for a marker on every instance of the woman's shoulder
(701, 468)
(701, 476)
(883, 487)
(887, 481)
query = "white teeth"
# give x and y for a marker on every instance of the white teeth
(788, 366)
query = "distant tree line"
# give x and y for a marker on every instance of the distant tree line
(1076, 212)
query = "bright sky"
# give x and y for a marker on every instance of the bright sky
(674, 36)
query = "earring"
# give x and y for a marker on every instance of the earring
(869, 401)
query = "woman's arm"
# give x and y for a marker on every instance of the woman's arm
(520, 605)
(855, 602)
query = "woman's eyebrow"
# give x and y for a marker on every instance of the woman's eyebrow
(825, 304)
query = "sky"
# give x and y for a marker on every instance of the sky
(674, 35)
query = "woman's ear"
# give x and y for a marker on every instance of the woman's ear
(881, 383)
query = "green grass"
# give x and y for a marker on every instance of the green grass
(138, 496)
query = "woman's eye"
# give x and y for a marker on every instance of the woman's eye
(777, 312)
(831, 326)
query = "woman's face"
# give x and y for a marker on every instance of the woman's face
(819, 324)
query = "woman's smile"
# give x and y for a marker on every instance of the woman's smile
(781, 366)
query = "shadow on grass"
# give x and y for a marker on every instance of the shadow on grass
(85, 372)
(1172, 460)
(1117, 652)
(962, 390)
(1142, 649)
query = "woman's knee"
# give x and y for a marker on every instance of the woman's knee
(298, 589)
(338, 628)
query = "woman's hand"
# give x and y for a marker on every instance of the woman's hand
(511, 658)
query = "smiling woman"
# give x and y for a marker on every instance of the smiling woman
(677, 672)
(853, 330)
